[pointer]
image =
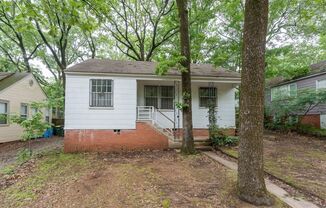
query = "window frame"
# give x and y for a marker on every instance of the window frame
(7, 113)
(317, 84)
(199, 97)
(27, 110)
(90, 95)
(36, 111)
(159, 96)
(288, 90)
(47, 110)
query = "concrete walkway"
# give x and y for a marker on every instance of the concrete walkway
(271, 187)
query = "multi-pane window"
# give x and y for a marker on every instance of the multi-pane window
(3, 112)
(167, 94)
(321, 84)
(293, 89)
(23, 111)
(207, 96)
(284, 91)
(101, 93)
(159, 96)
(151, 96)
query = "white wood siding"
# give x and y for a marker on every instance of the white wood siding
(16, 94)
(78, 114)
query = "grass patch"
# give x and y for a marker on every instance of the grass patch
(230, 151)
(56, 166)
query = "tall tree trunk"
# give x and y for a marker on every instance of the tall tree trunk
(188, 139)
(251, 184)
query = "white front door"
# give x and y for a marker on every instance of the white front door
(323, 121)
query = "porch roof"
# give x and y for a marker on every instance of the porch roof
(146, 68)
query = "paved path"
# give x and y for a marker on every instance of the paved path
(271, 187)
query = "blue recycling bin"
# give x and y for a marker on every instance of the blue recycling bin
(48, 133)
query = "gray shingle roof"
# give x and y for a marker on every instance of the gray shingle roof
(145, 68)
(7, 78)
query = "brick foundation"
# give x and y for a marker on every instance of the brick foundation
(143, 137)
(313, 120)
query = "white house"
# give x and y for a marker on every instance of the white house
(17, 92)
(117, 105)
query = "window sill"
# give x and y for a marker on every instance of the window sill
(101, 108)
(4, 125)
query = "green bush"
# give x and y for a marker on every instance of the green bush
(223, 140)
(311, 130)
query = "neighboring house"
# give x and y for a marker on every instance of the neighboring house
(315, 80)
(114, 105)
(17, 92)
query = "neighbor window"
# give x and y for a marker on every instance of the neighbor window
(321, 84)
(47, 115)
(159, 96)
(101, 93)
(3, 112)
(23, 111)
(34, 111)
(207, 96)
(289, 90)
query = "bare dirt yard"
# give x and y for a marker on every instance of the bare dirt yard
(135, 179)
(9, 151)
(297, 160)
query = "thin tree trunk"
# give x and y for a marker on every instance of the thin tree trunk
(251, 184)
(188, 140)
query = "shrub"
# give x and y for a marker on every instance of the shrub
(225, 141)
(311, 130)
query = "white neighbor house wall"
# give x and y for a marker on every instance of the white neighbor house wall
(78, 114)
(225, 103)
(16, 94)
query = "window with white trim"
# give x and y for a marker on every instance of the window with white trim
(207, 95)
(23, 111)
(289, 90)
(321, 84)
(161, 97)
(34, 111)
(101, 93)
(4, 111)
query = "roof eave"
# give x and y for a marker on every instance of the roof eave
(298, 79)
(158, 77)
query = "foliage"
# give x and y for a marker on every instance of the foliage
(311, 130)
(292, 61)
(24, 155)
(216, 134)
(221, 141)
(55, 94)
(7, 170)
(60, 33)
(282, 113)
(166, 203)
(174, 62)
(282, 106)
(139, 28)
(35, 126)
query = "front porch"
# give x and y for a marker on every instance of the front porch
(157, 99)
